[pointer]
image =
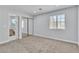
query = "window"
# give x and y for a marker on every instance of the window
(57, 22)
(61, 21)
(52, 22)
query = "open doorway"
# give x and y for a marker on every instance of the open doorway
(13, 27)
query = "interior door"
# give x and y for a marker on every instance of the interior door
(13, 27)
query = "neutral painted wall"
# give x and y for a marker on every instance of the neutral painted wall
(4, 18)
(41, 27)
(3, 25)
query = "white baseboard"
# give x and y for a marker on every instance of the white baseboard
(78, 44)
(44, 37)
(55, 38)
(29, 33)
(6, 41)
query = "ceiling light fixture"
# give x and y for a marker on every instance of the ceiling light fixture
(37, 10)
(40, 9)
(57, 5)
(34, 11)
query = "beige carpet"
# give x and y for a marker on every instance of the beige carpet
(33, 44)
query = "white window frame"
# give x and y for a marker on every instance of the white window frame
(51, 19)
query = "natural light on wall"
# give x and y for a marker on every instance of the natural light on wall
(57, 22)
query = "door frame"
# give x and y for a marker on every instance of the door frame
(13, 37)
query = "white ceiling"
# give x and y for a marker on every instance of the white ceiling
(29, 9)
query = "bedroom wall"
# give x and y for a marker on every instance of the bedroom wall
(41, 27)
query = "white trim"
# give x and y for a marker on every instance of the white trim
(55, 38)
(3, 42)
(30, 34)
